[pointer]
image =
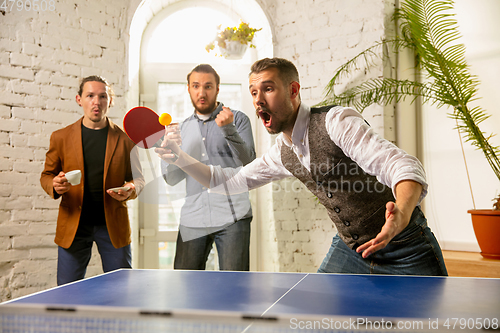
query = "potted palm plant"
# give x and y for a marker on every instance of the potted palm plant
(233, 41)
(429, 29)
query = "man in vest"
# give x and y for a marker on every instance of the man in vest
(370, 188)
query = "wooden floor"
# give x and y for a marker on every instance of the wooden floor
(471, 264)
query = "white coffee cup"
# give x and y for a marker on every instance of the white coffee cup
(73, 177)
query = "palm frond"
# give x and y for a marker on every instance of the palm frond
(433, 30)
(384, 91)
(430, 29)
(365, 60)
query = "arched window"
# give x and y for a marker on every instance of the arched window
(182, 36)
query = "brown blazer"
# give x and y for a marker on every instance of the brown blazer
(121, 165)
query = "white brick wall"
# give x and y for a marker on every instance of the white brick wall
(42, 57)
(44, 54)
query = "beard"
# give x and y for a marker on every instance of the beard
(206, 108)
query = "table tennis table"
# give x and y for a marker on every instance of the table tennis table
(137, 300)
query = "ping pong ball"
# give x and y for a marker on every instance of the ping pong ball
(165, 119)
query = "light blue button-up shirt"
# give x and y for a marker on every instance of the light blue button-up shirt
(228, 146)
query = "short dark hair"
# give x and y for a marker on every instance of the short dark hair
(286, 69)
(205, 68)
(96, 78)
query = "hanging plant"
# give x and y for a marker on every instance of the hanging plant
(233, 41)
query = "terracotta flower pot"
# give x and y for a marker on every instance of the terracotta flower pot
(486, 224)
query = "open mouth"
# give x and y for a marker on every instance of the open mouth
(265, 116)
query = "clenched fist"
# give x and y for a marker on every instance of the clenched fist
(225, 117)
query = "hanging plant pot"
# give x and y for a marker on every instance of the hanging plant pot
(486, 224)
(234, 50)
(233, 41)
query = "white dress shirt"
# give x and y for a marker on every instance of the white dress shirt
(349, 131)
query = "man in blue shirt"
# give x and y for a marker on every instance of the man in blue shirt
(214, 135)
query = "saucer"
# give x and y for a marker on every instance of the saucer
(116, 189)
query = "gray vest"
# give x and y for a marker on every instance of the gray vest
(355, 200)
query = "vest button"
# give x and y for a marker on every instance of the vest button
(336, 209)
(347, 223)
(355, 237)
(330, 195)
(319, 183)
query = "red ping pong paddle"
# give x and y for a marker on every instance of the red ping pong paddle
(143, 127)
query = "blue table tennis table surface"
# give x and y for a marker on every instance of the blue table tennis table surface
(291, 297)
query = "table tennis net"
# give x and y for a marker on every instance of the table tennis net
(21, 320)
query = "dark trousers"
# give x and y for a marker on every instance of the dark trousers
(414, 251)
(232, 243)
(72, 262)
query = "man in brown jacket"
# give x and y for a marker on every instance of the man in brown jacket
(90, 211)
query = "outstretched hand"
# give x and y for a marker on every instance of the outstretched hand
(169, 150)
(394, 224)
(171, 153)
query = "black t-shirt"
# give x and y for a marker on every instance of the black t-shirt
(94, 151)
